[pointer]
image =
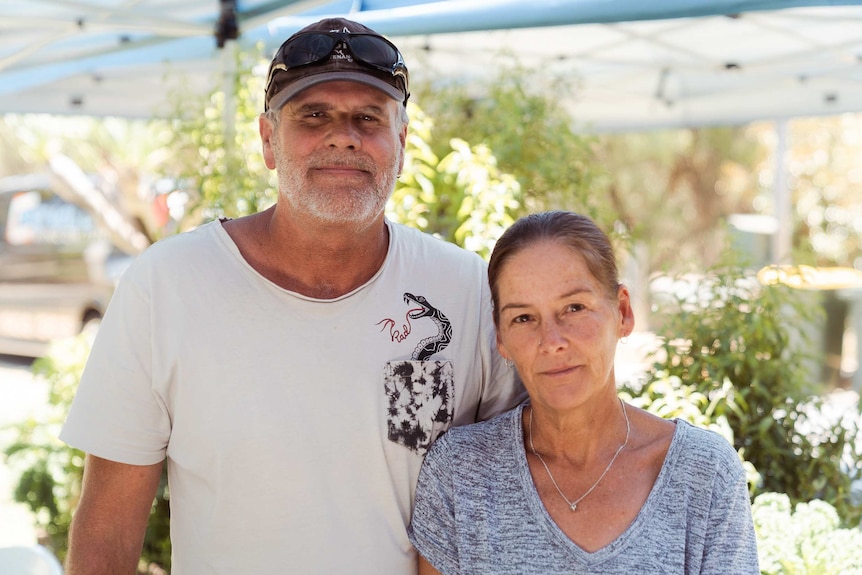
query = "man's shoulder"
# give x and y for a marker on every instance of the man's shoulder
(198, 238)
(179, 252)
(414, 239)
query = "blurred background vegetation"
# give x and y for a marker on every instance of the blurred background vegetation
(732, 354)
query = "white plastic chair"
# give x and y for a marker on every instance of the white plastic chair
(32, 560)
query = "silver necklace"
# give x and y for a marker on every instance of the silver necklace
(573, 505)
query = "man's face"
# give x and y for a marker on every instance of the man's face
(338, 149)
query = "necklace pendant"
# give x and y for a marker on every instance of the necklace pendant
(574, 505)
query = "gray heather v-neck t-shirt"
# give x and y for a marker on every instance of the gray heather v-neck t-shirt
(477, 511)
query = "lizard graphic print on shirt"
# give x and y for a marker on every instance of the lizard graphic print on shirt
(434, 344)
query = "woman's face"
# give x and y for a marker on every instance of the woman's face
(558, 325)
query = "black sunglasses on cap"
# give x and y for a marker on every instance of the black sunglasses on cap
(370, 50)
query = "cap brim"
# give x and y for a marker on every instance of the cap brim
(297, 86)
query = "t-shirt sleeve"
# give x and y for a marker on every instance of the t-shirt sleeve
(432, 527)
(116, 413)
(730, 546)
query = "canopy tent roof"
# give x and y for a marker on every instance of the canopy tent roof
(633, 64)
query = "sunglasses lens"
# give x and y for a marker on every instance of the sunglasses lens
(314, 47)
(307, 49)
(373, 50)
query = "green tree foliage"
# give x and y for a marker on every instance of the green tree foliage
(669, 190)
(463, 198)
(530, 133)
(673, 189)
(12, 160)
(51, 472)
(825, 184)
(742, 348)
(121, 153)
(214, 151)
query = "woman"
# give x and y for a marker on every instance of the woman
(575, 480)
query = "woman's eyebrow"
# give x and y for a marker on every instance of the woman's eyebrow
(574, 292)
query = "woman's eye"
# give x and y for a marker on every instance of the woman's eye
(521, 319)
(574, 307)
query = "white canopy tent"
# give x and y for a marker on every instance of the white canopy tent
(679, 72)
(636, 65)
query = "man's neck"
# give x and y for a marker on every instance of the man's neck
(318, 261)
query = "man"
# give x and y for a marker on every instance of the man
(292, 366)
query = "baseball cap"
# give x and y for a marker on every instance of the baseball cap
(335, 49)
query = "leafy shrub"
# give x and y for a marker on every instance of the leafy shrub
(804, 541)
(463, 198)
(211, 146)
(51, 472)
(740, 350)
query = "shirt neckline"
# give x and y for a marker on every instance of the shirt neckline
(541, 515)
(230, 245)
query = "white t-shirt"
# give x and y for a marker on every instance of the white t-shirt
(294, 428)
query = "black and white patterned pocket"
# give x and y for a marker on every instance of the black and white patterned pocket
(421, 401)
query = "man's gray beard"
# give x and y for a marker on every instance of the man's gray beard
(357, 207)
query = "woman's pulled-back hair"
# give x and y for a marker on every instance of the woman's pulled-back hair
(569, 229)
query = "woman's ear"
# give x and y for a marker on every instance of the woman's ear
(502, 348)
(627, 315)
